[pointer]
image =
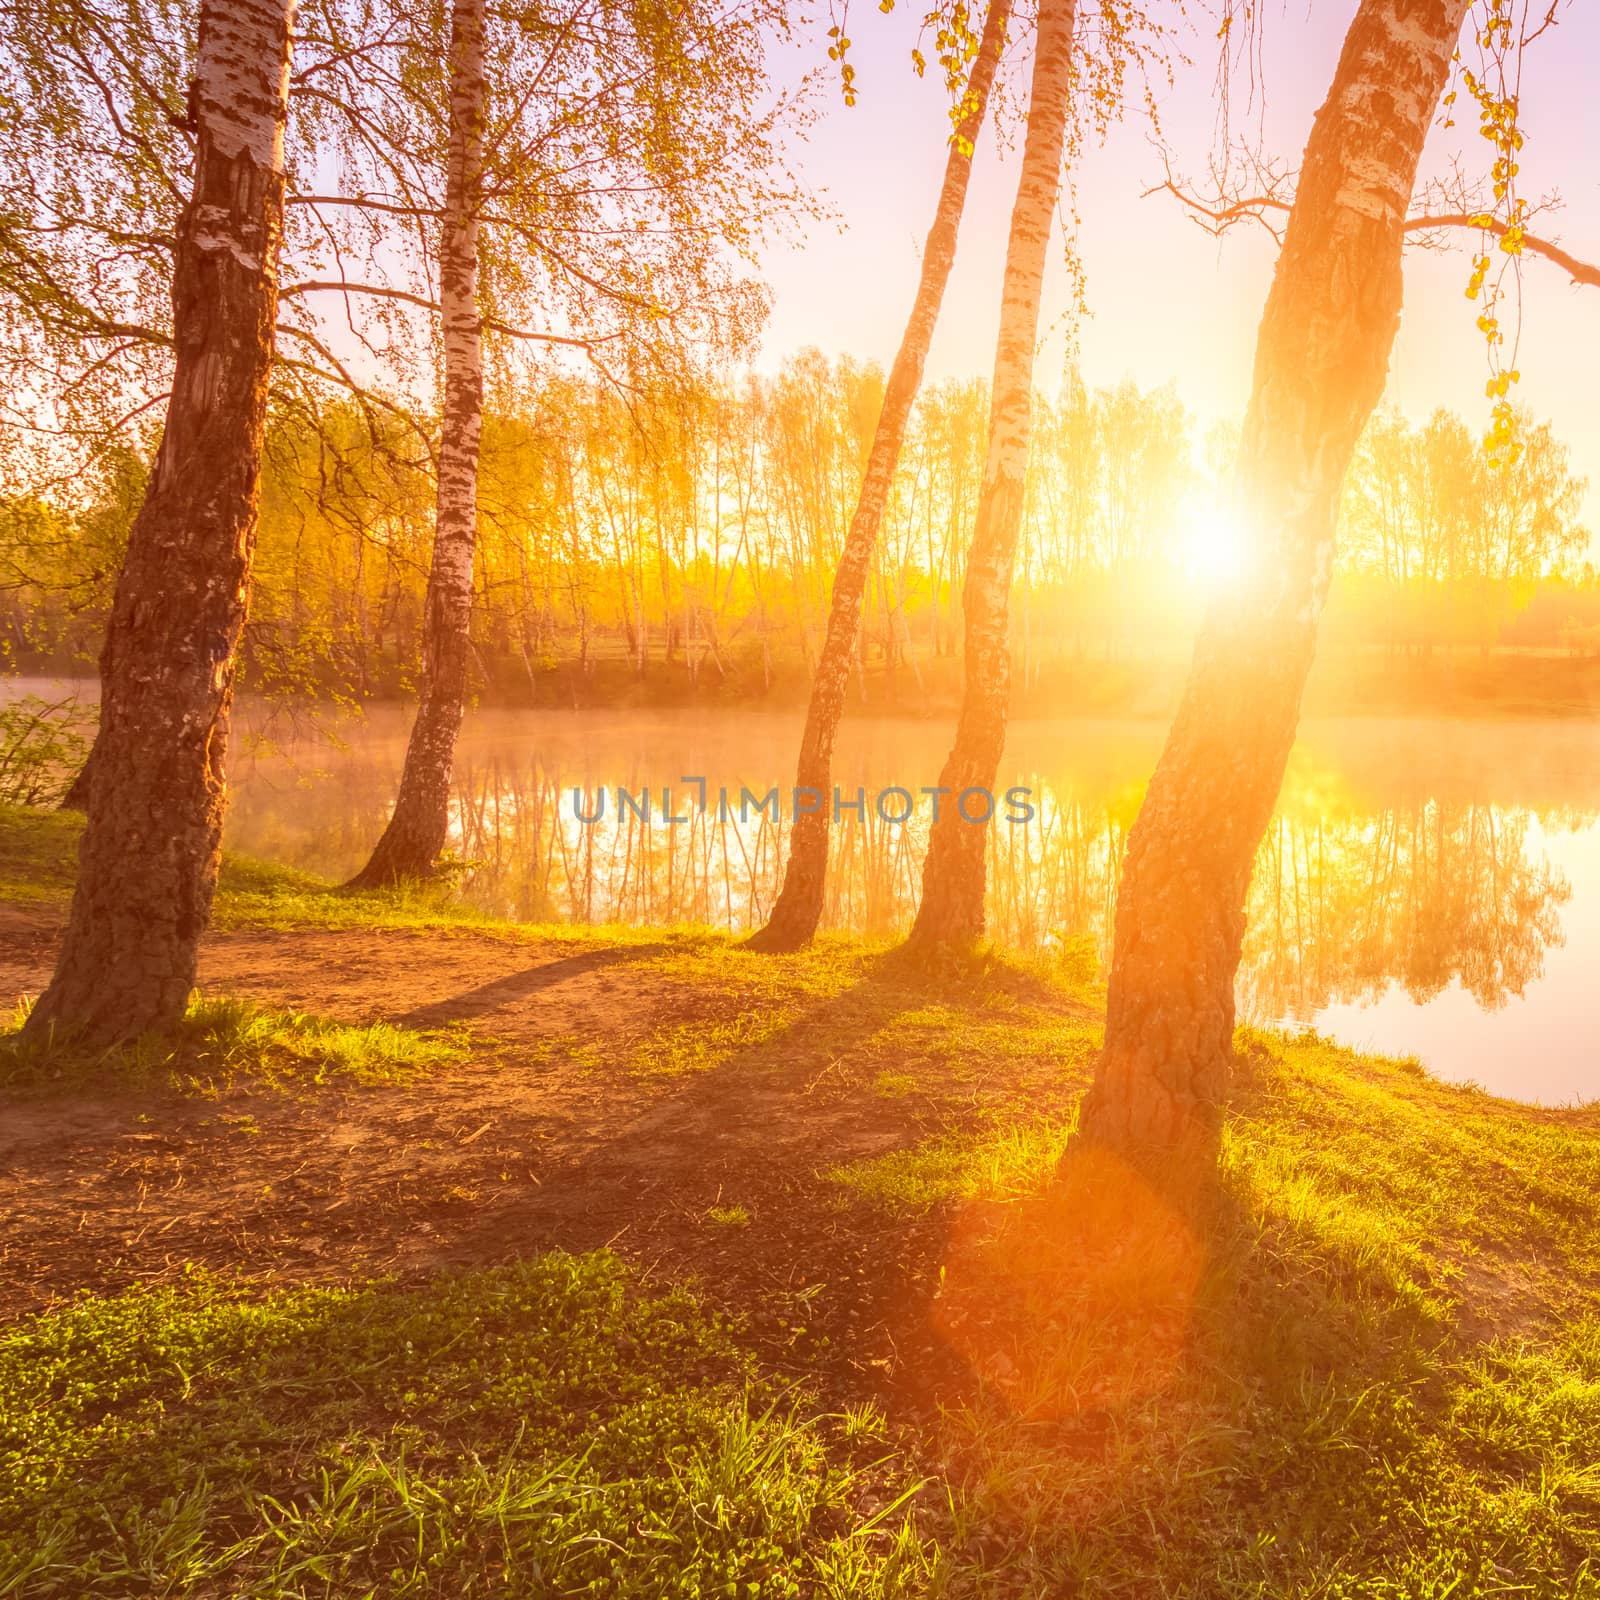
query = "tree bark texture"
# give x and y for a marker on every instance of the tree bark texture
(415, 836)
(953, 875)
(798, 908)
(77, 796)
(148, 861)
(1322, 355)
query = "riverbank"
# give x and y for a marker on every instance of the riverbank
(446, 1256)
(1344, 683)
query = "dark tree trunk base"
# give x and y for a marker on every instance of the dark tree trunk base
(1168, 1134)
(792, 924)
(780, 937)
(77, 796)
(147, 862)
(404, 854)
(950, 918)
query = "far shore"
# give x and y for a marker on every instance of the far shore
(1502, 684)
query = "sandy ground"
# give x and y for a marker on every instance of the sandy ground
(525, 1146)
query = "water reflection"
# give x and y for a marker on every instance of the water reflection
(1418, 859)
(1419, 896)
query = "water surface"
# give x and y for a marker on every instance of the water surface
(1428, 887)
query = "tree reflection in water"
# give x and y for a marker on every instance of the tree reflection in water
(1351, 895)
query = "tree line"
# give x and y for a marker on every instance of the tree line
(690, 533)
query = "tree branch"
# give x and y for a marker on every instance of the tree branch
(1217, 219)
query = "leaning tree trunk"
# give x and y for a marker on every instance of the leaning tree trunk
(799, 905)
(411, 843)
(1321, 358)
(951, 912)
(147, 865)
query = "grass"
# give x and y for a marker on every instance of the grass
(222, 1042)
(38, 862)
(38, 854)
(551, 1428)
(862, 1015)
(1008, 1161)
(1370, 1370)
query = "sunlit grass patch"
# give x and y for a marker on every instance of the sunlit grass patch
(261, 894)
(717, 961)
(683, 1048)
(221, 1041)
(998, 1163)
(851, 1014)
(1235, 1406)
(894, 1085)
(986, 1042)
(1377, 1168)
(38, 853)
(547, 1428)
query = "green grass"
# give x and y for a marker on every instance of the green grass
(1013, 1159)
(544, 1429)
(38, 854)
(1369, 1371)
(858, 1014)
(1372, 1368)
(38, 862)
(223, 1041)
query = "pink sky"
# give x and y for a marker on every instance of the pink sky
(1168, 302)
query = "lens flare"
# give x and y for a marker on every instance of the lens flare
(1217, 549)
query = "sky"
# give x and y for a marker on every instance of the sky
(1168, 302)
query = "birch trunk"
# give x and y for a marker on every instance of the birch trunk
(1321, 359)
(411, 843)
(953, 875)
(147, 865)
(798, 908)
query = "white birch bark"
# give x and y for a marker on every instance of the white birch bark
(799, 905)
(156, 787)
(953, 877)
(1322, 355)
(419, 825)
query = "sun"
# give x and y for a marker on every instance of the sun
(1216, 547)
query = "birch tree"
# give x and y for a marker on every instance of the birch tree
(619, 171)
(152, 844)
(416, 830)
(799, 904)
(1322, 354)
(953, 877)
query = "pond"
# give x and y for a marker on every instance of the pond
(1428, 887)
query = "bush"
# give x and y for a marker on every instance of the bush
(43, 745)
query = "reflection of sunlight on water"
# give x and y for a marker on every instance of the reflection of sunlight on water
(1412, 870)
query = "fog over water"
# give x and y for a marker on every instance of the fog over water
(1429, 887)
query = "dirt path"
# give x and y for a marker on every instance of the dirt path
(527, 1145)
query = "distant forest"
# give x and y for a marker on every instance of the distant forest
(680, 539)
